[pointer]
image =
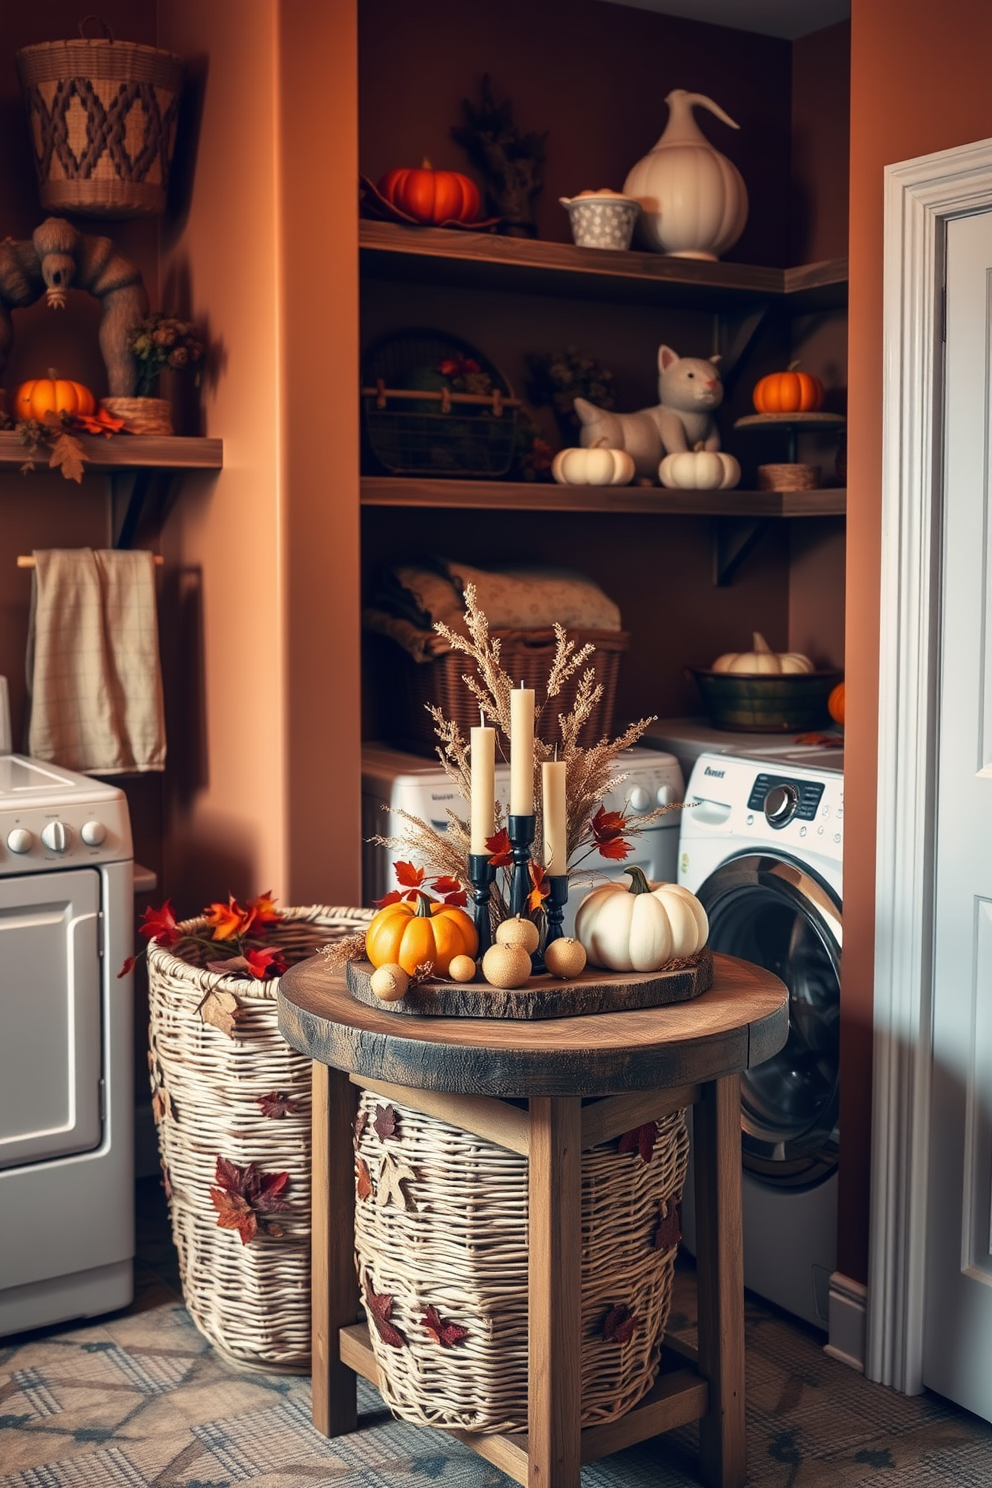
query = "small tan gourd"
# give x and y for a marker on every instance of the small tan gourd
(462, 969)
(565, 958)
(762, 660)
(506, 966)
(518, 932)
(389, 982)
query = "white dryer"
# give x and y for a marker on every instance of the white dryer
(761, 845)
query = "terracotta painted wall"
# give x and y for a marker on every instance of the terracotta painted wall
(919, 83)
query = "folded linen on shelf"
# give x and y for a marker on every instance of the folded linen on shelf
(93, 672)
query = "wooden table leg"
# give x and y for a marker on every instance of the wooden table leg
(716, 1131)
(555, 1293)
(334, 1290)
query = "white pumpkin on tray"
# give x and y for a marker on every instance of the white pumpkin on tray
(641, 926)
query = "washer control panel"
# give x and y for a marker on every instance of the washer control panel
(781, 798)
(67, 835)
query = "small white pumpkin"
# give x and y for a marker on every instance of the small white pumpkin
(699, 470)
(762, 660)
(595, 466)
(642, 927)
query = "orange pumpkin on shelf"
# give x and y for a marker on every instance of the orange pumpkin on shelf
(52, 394)
(432, 196)
(788, 392)
(835, 704)
(409, 934)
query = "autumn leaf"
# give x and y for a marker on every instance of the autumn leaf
(669, 1231)
(129, 965)
(68, 455)
(100, 422)
(407, 876)
(166, 1183)
(160, 925)
(617, 849)
(619, 1325)
(380, 1306)
(363, 1182)
(263, 964)
(160, 1106)
(360, 1121)
(446, 1332)
(234, 1213)
(384, 1124)
(498, 848)
(221, 1010)
(227, 921)
(393, 897)
(261, 913)
(607, 828)
(641, 1139)
(244, 1194)
(457, 897)
(276, 1104)
(229, 966)
(541, 888)
(391, 1175)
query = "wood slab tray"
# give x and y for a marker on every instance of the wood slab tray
(544, 996)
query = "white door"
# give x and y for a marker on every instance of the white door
(958, 1313)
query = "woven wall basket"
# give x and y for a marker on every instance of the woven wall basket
(102, 115)
(460, 1247)
(252, 1301)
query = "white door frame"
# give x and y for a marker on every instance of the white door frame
(920, 195)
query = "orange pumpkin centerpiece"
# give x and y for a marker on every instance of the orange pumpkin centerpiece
(432, 196)
(411, 934)
(52, 394)
(788, 392)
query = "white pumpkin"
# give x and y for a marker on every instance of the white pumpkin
(596, 466)
(699, 470)
(762, 660)
(640, 927)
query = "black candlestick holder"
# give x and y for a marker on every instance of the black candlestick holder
(481, 874)
(521, 833)
(554, 906)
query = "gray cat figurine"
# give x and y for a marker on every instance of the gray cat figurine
(689, 388)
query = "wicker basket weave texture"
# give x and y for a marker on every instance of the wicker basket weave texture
(462, 1248)
(102, 115)
(251, 1301)
(526, 656)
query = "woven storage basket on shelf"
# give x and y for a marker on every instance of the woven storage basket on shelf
(461, 1248)
(102, 115)
(526, 656)
(413, 426)
(252, 1301)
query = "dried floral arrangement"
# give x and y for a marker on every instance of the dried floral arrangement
(592, 773)
(162, 342)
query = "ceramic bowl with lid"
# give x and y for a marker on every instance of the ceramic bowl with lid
(601, 219)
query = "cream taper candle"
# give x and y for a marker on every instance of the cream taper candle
(553, 809)
(483, 771)
(522, 751)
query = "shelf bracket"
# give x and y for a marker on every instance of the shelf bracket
(131, 490)
(733, 539)
(734, 349)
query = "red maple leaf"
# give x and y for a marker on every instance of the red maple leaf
(619, 1325)
(446, 1332)
(606, 825)
(393, 897)
(384, 1124)
(227, 921)
(498, 848)
(160, 925)
(541, 888)
(261, 913)
(641, 1139)
(276, 1104)
(129, 965)
(669, 1231)
(234, 1213)
(443, 884)
(380, 1306)
(617, 849)
(242, 1194)
(100, 422)
(458, 897)
(264, 964)
(363, 1182)
(407, 876)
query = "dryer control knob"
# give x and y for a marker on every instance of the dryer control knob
(93, 833)
(20, 840)
(640, 799)
(56, 836)
(665, 795)
(780, 804)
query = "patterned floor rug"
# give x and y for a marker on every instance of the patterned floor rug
(140, 1400)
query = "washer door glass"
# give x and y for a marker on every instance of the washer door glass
(779, 915)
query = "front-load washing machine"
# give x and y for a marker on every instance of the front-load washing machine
(761, 845)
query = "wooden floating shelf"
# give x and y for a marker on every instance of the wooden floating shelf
(487, 261)
(125, 452)
(540, 497)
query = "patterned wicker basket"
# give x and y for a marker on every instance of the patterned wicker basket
(251, 1301)
(102, 115)
(460, 1247)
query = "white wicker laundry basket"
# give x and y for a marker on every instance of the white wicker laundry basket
(251, 1300)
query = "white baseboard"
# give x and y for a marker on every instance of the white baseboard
(848, 1316)
(146, 1163)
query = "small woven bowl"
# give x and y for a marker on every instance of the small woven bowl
(605, 221)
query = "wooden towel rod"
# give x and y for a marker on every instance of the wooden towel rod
(26, 560)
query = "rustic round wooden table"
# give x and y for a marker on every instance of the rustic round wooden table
(585, 1080)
